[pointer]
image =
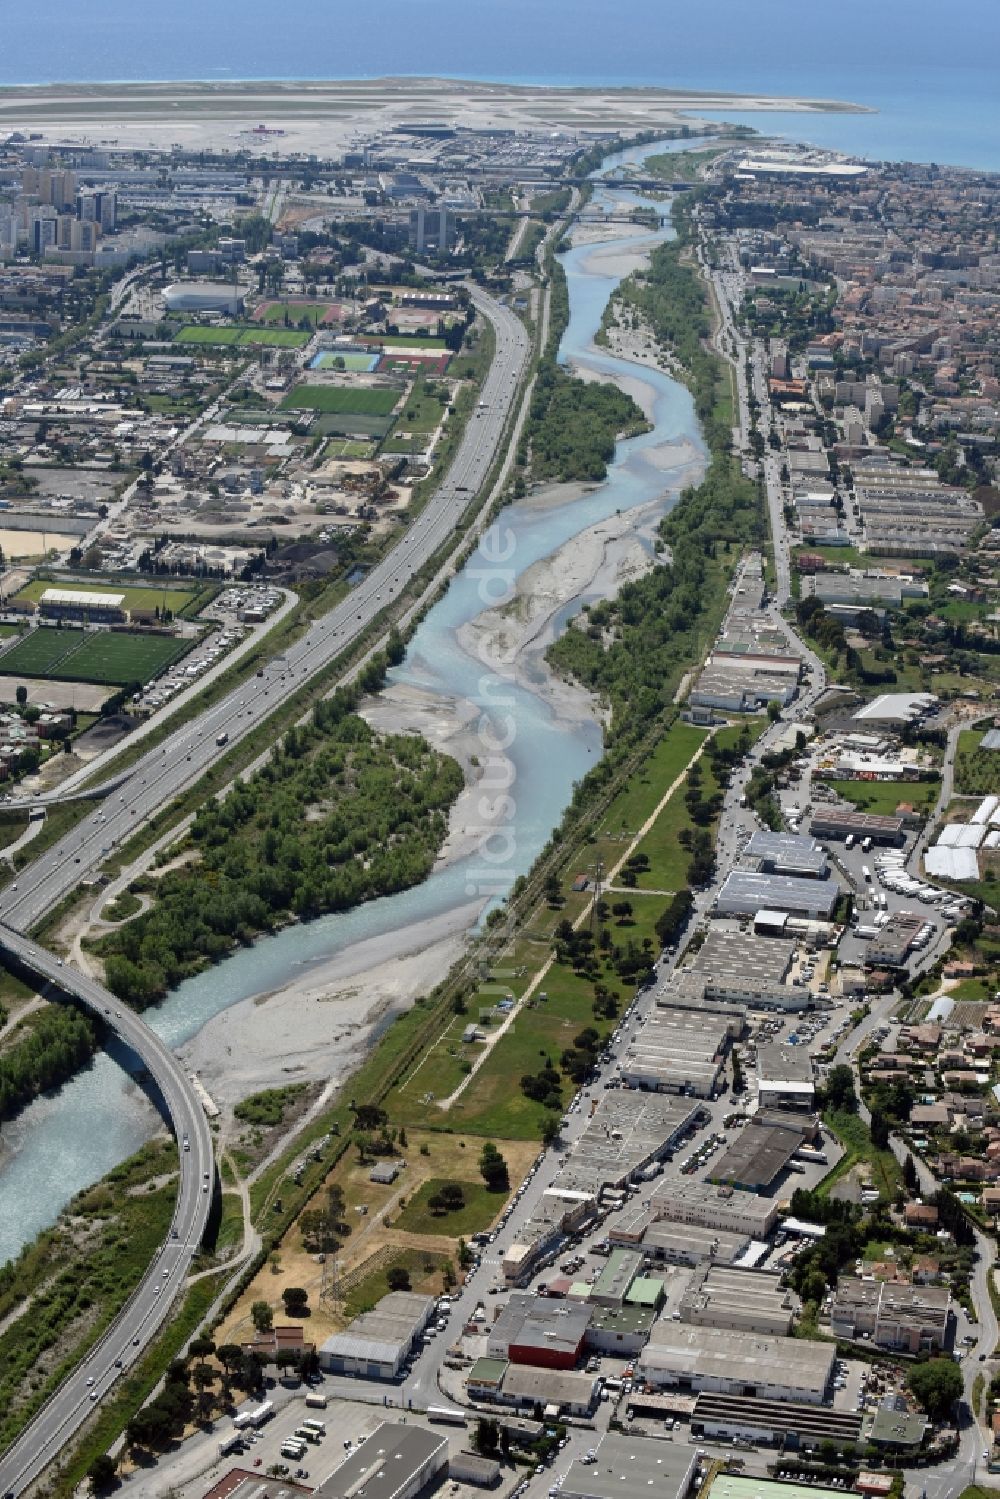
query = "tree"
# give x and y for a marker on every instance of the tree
(623, 910)
(879, 1130)
(910, 1176)
(839, 1092)
(102, 1473)
(486, 1439)
(937, 1385)
(296, 1299)
(550, 1129)
(493, 1168)
(201, 1347)
(21, 694)
(263, 1318)
(398, 1278)
(774, 710)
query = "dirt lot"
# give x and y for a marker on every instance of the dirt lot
(454, 1157)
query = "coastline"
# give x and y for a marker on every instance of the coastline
(322, 115)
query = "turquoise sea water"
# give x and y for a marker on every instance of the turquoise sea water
(930, 70)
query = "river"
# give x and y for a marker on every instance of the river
(62, 1144)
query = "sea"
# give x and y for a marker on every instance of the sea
(930, 70)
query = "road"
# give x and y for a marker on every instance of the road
(150, 1304)
(163, 773)
(154, 781)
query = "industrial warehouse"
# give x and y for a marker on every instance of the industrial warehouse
(760, 1153)
(377, 1344)
(728, 1362)
(746, 891)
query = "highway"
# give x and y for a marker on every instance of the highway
(150, 1304)
(166, 771)
(153, 782)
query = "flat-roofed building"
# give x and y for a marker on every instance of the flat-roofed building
(532, 1330)
(79, 603)
(665, 1243)
(762, 1150)
(732, 970)
(746, 891)
(627, 1132)
(395, 1462)
(620, 1330)
(677, 1051)
(710, 1206)
(781, 1422)
(833, 823)
(747, 1300)
(554, 1390)
(891, 1314)
(784, 1076)
(377, 1344)
(625, 1465)
(612, 1285)
(743, 1363)
(787, 853)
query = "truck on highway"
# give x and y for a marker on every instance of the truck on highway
(866, 872)
(295, 1449)
(262, 1414)
(866, 844)
(849, 841)
(222, 738)
(232, 1443)
(316, 1401)
(319, 1427)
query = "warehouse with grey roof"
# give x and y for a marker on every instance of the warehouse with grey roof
(707, 1358)
(745, 892)
(396, 1462)
(377, 1344)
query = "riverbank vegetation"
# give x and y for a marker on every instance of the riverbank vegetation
(338, 816)
(572, 424)
(42, 1051)
(632, 649)
(60, 1293)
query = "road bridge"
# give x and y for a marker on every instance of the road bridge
(152, 783)
(150, 1304)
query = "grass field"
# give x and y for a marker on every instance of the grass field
(340, 400)
(278, 338)
(481, 1207)
(70, 655)
(346, 447)
(883, 797)
(272, 314)
(423, 1268)
(177, 600)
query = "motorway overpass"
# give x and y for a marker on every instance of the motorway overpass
(150, 1304)
(154, 781)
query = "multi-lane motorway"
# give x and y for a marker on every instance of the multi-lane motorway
(155, 780)
(165, 771)
(149, 1305)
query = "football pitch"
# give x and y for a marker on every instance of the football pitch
(275, 338)
(341, 400)
(71, 655)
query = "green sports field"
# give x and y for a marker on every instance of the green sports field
(136, 596)
(70, 655)
(274, 338)
(341, 400)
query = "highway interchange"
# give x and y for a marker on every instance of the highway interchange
(156, 779)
